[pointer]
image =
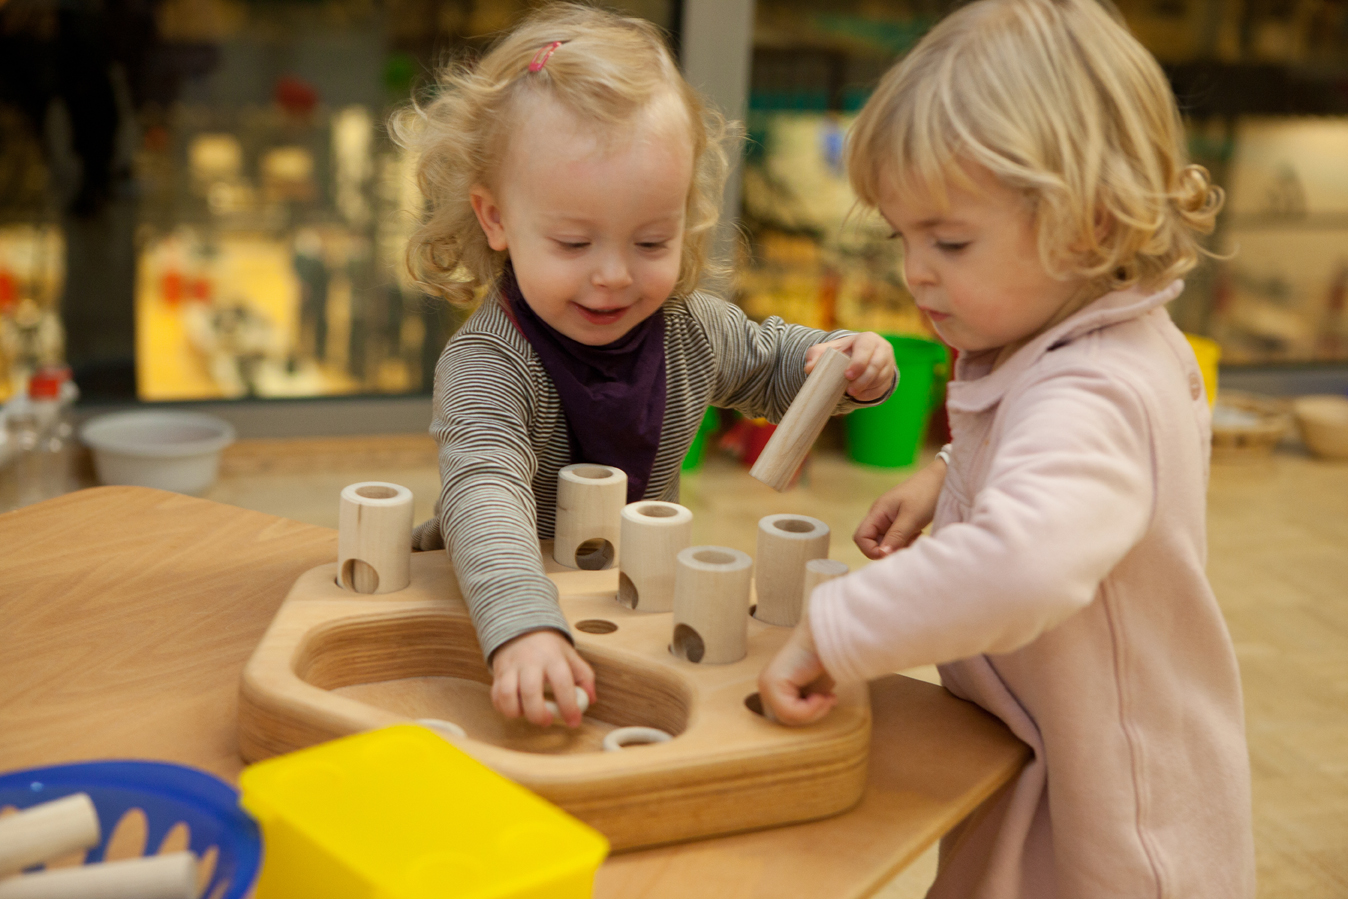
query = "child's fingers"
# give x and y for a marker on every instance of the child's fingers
(582, 673)
(531, 697)
(564, 692)
(783, 702)
(899, 534)
(870, 534)
(505, 693)
(871, 382)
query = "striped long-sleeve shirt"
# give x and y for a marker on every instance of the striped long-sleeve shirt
(503, 438)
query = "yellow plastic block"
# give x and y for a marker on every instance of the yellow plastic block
(1209, 353)
(399, 813)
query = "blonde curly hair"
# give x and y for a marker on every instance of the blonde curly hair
(1059, 101)
(607, 71)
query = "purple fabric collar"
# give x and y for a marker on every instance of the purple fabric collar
(613, 395)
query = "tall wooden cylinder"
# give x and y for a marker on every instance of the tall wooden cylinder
(374, 539)
(816, 572)
(47, 831)
(711, 604)
(653, 533)
(590, 500)
(785, 544)
(804, 419)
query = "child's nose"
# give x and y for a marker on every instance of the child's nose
(613, 273)
(916, 272)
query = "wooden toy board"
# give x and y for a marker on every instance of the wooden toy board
(334, 662)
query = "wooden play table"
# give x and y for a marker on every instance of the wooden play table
(128, 615)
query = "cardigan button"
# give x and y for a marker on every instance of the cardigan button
(1195, 385)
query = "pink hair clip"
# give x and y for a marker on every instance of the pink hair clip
(537, 64)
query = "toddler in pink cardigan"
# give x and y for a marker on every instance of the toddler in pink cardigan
(1029, 155)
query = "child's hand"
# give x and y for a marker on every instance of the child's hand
(900, 514)
(795, 688)
(521, 666)
(872, 371)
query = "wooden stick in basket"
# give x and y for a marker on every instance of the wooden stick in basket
(47, 831)
(171, 876)
(803, 421)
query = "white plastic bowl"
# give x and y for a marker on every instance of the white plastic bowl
(178, 451)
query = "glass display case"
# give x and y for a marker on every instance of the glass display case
(199, 198)
(1264, 89)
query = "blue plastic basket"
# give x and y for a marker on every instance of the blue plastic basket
(168, 795)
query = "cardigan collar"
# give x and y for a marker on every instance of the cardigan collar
(976, 389)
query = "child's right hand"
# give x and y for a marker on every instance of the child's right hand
(900, 514)
(521, 667)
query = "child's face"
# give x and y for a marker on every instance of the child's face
(594, 227)
(973, 264)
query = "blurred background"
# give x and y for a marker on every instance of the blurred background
(199, 200)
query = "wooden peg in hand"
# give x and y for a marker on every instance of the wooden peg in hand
(803, 421)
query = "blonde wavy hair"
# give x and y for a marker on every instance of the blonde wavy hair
(1060, 102)
(607, 71)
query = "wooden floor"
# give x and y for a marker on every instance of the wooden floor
(1278, 537)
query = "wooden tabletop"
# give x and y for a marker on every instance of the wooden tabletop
(128, 615)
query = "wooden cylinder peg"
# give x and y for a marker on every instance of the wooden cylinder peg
(711, 604)
(816, 572)
(804, 419)
(47, 831)
(374, 538)
(653, 533)
(785, 544)
(590, 500)
(171, 876)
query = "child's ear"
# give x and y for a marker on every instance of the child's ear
(488, 213)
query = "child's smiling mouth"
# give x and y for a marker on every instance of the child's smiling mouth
(601, 316)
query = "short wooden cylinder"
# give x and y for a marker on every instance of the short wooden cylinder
(47, 831)
(653, 533)
(711, 604)
(785, 544)
(171, 876)
(817, 571)
(590, 500)
(374, 537)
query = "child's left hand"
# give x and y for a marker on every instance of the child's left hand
(794, 687)
(872, 371)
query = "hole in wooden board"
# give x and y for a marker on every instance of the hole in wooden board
(596, 626)
(793, 525)
(594, 555)
(594, 472)
(754, 703)
(360, 576)
(627, 591)
(377, 492)
(688, 643)
(652, 510)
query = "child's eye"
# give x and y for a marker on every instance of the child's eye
(573, 244)
(653, 244)
(950, 246)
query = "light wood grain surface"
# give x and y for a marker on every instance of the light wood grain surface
(1278, 560)
(130, 614)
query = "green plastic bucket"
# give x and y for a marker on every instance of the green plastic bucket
(889, 435)
(692, 461)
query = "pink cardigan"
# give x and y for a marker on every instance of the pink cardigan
(1063, 590)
